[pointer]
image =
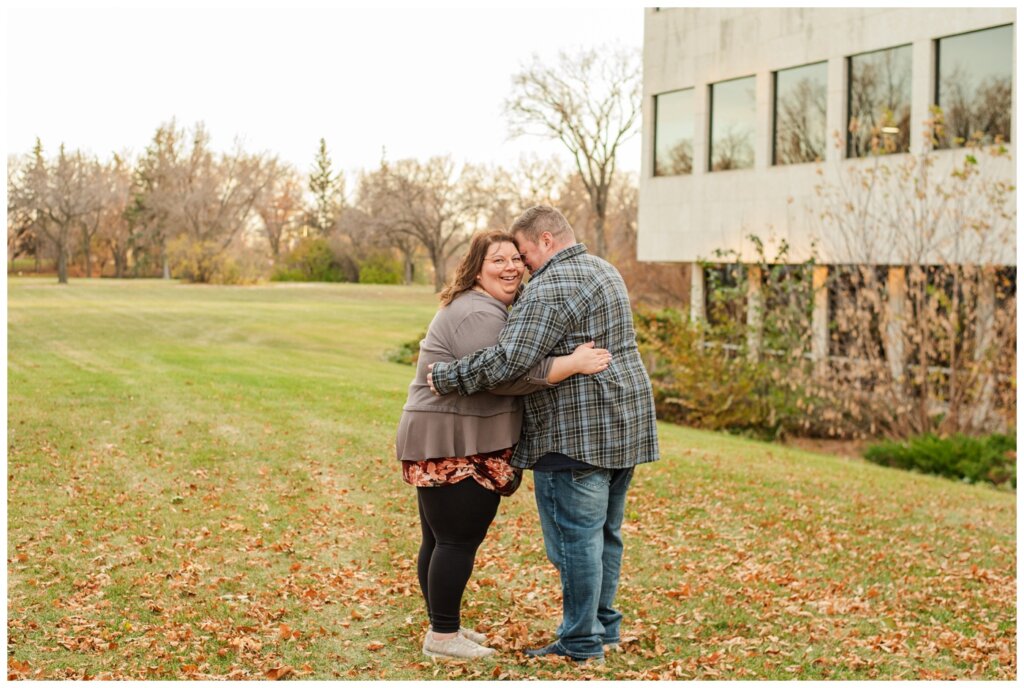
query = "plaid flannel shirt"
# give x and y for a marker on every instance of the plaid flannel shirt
(605, 420)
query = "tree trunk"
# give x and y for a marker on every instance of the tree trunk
(120, 258)
(88, 260)
(599, 206)
(62, 256)
(599, 242)
(439, 271)
(163, 260)
(409, 268)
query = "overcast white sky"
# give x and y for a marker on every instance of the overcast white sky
(419, 82)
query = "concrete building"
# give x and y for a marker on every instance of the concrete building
(749, 113)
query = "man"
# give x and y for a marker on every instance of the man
(581, 438)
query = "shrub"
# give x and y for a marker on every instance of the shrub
(380, 269)
(708, 375)
(991, 459)
(208, 263)
(407, 353)
(704, 382)
(286, 274)
(312, 260)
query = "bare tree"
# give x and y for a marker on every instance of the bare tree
(279, 207)
(967, 111)
(158, 189)
(120, 230)
(359, 238)
(91, 221)
(733, 150)
(428, 202)
(54, 197)
(590, 101)
(678, 160)
(532, 180)
(22, 237)
(800, 129)
(197, 200)
(218, 196)
(218, 191)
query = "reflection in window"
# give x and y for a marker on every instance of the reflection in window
(879, 102)
(800, 97)
(975, 87)
(725, 302)
(673, 133)
(733, 118)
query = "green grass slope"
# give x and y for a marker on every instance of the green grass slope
(201, 483)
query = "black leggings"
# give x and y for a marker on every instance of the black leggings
(454, 520)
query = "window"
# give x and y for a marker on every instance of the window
(800, 97)
(856, 305)
(788, 306)
(975, 86)
(879, 102)
(673, 133)
(733, 118)
(725, 302)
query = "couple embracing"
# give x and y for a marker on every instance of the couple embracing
(546, 378)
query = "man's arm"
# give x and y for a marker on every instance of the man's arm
(532, 331)
(586, 359)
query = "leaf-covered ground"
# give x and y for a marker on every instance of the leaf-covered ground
(201, 484)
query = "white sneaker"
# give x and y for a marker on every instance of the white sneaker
(478, 638)
(457, 647)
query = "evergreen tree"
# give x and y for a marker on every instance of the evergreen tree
(323, 184)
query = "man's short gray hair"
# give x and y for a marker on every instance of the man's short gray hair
(539, 219)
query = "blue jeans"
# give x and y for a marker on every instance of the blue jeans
(581, 517)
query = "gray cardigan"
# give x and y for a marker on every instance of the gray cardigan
(454, 425)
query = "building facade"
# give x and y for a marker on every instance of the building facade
(754, 119)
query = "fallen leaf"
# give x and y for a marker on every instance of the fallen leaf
(278, 672)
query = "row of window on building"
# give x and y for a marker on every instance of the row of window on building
(973, 88)
(855, 287)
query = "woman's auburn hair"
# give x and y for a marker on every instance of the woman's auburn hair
(473, 262)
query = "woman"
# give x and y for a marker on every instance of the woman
(456, 450)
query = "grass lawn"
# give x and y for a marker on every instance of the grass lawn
(202, 483)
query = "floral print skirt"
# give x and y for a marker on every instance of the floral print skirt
(491, 470)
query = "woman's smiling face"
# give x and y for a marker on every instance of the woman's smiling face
(502, 272)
